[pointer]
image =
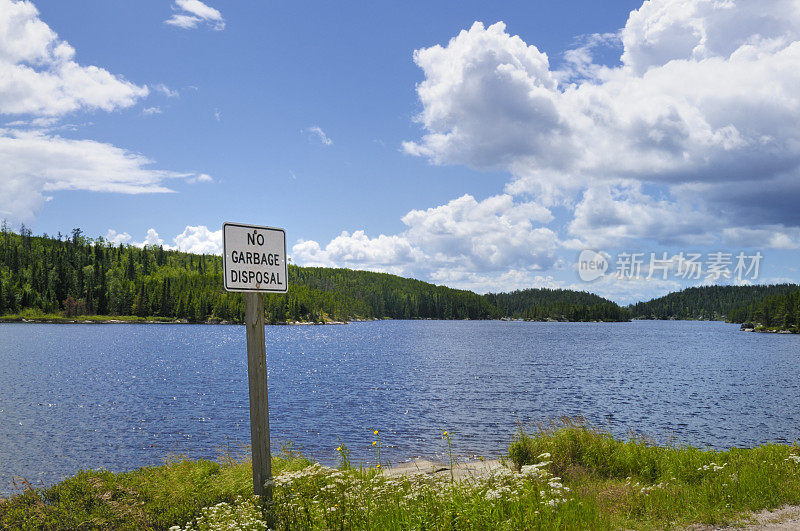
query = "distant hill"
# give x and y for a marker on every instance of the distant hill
(708, 302)
(42, 275)
(780, 312)
(542, 303)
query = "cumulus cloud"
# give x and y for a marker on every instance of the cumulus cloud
(199, 239)
(123, 238)
(320, 135)
(493, 234)
(610, 216)
(703, 103)
(357, 250)
(39, 75)
(117, 238)
(455, 243)
(194, 239)
(151, 238)
(190, 13)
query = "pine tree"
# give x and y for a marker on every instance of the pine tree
(102, 298)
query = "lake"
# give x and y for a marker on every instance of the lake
(123, 396)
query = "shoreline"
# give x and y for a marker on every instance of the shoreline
(157, 321)
(123, 319)
(752, 327)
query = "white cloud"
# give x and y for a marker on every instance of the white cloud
(194, 239)
(183, 21)
(198, 239)
(38, 73)
(320, 134)
(357, 250)
(660, 31)
(166, 91)
(511, 280)
(774, 237)
(201, 178)
(493, 234)
(151, 238)
(455, 243)
(190, 13)
(612, 216)
(40, 80)
(117, 238)
(703, 103)
(487, 99)
(35, 163)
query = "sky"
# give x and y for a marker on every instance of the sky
(624, 148)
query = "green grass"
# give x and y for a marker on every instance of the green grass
(148, 498)
(569, 476)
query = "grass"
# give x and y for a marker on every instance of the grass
(148, 498)
(568, 475)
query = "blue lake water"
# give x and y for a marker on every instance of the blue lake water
(124, 396)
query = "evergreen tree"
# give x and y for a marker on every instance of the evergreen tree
(97, 277)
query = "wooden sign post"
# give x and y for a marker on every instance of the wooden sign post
(255, 263)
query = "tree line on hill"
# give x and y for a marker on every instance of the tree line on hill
(781, 311)
(542, 303)
(74, 275)
(712, 302)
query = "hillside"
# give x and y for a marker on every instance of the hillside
(543, 303)
(708, 302)
(779, 312)
(80, 276)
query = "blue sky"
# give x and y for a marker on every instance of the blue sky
(483, 156)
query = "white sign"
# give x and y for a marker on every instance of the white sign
(255, 258)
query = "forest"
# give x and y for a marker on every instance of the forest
(780, 312)
(542, 303)
(731, 303)
(74, 275)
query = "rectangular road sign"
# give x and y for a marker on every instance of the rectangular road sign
(254, 258)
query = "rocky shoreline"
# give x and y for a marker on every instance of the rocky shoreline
(755, 327)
